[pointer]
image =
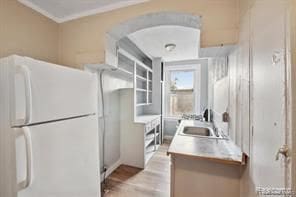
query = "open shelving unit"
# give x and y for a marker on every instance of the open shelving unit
(125, 64)
(140, 131)
(152, 142)
(143, 84)
(139, 137)
(142, 75)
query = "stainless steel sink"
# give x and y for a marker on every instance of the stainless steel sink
(197, 131)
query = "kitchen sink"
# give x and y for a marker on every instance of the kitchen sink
(197, 131)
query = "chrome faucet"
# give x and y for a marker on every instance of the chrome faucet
(216, 130)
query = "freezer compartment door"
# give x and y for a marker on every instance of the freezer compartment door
(59, 159)
(43, 92)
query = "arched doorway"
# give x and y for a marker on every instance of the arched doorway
(142, 22)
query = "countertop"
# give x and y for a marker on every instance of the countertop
(219, 150)
(146, 118)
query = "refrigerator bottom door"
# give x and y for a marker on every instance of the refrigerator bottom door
(58, 159)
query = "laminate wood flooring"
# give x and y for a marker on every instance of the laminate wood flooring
(153, 181)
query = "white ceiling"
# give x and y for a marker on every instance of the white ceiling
(152, 41)
(65, 10)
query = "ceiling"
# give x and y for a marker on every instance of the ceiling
(152, 42)
(65, 10)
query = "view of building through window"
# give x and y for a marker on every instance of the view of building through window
(181, 92)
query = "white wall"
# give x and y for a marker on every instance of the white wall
(220, 103)
(232, 108)
(112, 82)
(219, 91)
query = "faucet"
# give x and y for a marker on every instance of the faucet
(216, 130)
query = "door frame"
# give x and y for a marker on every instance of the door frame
(290, 93)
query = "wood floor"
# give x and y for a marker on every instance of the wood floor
(153, 181)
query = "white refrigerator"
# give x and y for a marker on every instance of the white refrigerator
(49, 130)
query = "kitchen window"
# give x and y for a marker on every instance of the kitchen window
(181, 91)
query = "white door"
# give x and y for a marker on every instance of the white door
(44, 92)
(58, 159)
(269, 90)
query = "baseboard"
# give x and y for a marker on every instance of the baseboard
(111, 169)
(168, 137)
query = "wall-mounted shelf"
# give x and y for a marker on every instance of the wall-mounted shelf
(125, 73)
(142, 78)
(125, 64)
(143, 129)
(142, 74)
(141, 104)
(141, 90)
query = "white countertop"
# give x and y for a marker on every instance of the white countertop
(146, 118)
(219, 150)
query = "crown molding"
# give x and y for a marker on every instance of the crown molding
(102, 9)
(40, 10)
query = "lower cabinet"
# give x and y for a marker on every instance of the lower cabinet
(204, 178)
(140, 133)
(139, 141)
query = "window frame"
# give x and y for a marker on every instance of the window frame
(196, 68)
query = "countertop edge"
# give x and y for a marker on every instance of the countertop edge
(214, 159)
(149, 118)
(197, 156)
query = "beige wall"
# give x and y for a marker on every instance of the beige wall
(82, 40)
(244, 6)
(26, 32)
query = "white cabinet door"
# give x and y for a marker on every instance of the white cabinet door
(62, 159)
(43, 91)
(269, 92)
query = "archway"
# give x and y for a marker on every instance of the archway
(142, 22)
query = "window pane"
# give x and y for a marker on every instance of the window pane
(181, 97)
(181, 80)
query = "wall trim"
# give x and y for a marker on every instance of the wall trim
(39, 9)
(112, 168)
(168, 137)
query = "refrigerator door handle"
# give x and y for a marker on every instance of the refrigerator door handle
(28, 92)
(29, 159)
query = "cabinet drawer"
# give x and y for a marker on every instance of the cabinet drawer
(148, 127)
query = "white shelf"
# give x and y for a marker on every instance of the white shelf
(125, 71)
(141, 104)
(157, 134)
(149, 140)
(141, 78)
(141, 90)
(123, 52)
(151, 148)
